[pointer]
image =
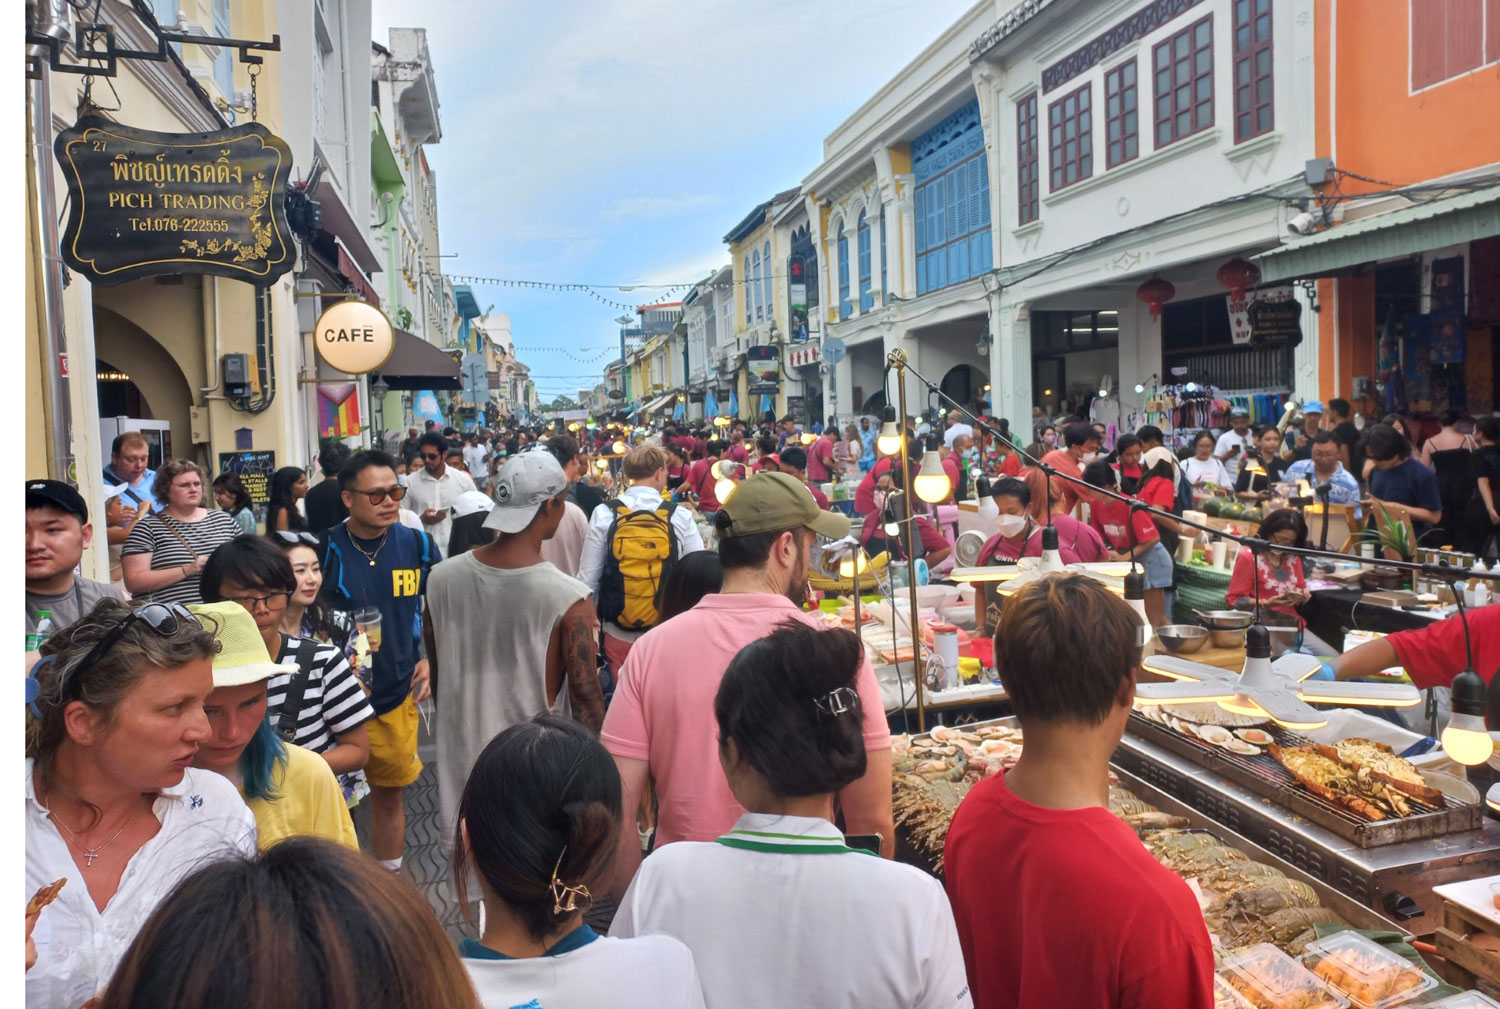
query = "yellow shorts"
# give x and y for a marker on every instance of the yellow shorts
(393, 747)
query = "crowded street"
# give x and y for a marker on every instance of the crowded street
(960, 503)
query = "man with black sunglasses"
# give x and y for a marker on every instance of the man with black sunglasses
(373, 561)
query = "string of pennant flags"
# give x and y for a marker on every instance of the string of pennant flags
(593, 290)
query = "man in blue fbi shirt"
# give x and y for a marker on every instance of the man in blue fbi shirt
(372, 561)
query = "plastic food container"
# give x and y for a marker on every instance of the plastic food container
(1269, 979)
(1371, 976)
(1225, 996)
(1465, 1000)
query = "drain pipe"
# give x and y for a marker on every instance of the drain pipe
(51, 19)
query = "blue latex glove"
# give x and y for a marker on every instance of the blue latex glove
(1325, 672)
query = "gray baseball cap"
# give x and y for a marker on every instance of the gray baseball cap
(522, 486)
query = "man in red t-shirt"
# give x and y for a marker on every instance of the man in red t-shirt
(1057, 902)
(1433, 655)
(820, 459)
(1081, 446)
(794, 462)
(700, 479)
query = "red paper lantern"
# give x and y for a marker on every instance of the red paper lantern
(1155, 293)
(1237, 275)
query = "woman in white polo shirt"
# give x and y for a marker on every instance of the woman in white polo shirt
(781, 911)
(113, 803)
(538, 825)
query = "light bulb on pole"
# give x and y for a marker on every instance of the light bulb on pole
(723, 488)
(932, 484)
(1466, 739)
(808, 438)
(889, 442)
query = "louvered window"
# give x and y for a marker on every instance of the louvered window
(845, 309)
(866, 299)
(765, 279)
(952, 201)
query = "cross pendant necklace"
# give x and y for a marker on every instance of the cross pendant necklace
(89, 854)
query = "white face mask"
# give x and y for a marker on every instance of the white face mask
(1089, 457)
(1010, 525)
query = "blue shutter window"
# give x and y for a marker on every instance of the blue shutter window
(746, 289)
(755, 286)
(765, 261)
(885, 291)
(952, 202)
(224, 62)
(845, 309)
(866, 299)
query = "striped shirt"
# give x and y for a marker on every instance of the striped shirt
(157, 535)
(332, 703)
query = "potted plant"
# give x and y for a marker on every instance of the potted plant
(1392, 536)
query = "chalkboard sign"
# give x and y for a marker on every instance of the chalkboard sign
(1276, 322)
(254, 470)
(144, 204)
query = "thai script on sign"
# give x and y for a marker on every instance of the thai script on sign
(158, 170)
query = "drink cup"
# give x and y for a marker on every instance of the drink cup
(368, 620)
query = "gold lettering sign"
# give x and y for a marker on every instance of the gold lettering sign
(354, 337)
(143, 204)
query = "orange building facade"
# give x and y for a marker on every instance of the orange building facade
(1402, 239)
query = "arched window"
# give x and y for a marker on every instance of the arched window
(866, 299)
(765, 260)
(746, 289)
(844, 307)
(755, 285)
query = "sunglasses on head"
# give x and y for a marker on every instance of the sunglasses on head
(380, 494)
(297, 538)
(162, 618)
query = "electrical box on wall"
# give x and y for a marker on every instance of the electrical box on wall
(198, 424)
(237, 375)
(1363, 387)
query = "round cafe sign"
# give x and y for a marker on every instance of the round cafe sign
(354, 337)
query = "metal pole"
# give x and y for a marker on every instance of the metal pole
(898, 361)
(48, 257)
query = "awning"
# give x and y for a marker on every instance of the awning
(417, 364)
(1433, 225)
(657, 404)
(352, 273)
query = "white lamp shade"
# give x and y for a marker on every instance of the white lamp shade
(932, 484)
(889, 442)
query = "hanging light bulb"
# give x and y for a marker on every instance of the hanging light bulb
(1139, 388)
(618, 448)
(1052, 558)
(932, 484)
(987, 507)
(1135, 595)
(713, 471)
(1465, 739)
(601, 464)
(889, 442)
(723, 487)
(854, 562)
(808, 438)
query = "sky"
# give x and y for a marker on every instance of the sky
(617, 141)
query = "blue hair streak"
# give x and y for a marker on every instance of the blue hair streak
(259, 761)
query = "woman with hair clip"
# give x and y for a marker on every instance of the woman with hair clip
(538, 824)
(291, 790)
(114, 807)
(306, 925)
(288, 485)
(777, 912)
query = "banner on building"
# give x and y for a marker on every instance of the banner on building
(254, 470)
(764, 367)
(338, 410)
(146, 204)
(1269, 316)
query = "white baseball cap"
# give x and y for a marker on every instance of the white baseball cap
(522, 486)
(471, 501)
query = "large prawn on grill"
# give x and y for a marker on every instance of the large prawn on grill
(1333, 781)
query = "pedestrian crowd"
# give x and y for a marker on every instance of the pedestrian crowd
(635, 713)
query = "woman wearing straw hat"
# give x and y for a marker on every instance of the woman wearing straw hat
(291, 791)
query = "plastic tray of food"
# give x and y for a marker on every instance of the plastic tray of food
(1226, 997)
(1465, 1000)
(1369, 974)
(1269, 979)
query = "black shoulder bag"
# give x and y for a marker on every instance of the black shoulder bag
(304, 656)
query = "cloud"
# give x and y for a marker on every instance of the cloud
(656, 208)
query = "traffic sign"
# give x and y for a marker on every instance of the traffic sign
(834, 350)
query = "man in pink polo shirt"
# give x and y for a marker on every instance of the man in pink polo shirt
(661, 724)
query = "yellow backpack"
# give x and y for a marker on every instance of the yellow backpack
(642, 551)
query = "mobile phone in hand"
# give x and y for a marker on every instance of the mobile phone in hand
(865, 842)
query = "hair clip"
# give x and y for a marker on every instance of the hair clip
(838, 701)
(564, 898)
(34, 685)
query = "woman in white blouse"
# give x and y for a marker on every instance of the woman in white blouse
(113, 804)
(1204, 472)
(782, 910)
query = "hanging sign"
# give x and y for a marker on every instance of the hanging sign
(764, 367)
(144, 204)
(354, 337)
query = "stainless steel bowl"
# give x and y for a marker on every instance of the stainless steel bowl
(1182, 638)
(1228, 639)
(1226, 620)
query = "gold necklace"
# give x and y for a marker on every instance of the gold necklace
(89, 854)
(379, 547)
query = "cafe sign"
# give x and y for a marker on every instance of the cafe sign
(144, 204)
(354, 337)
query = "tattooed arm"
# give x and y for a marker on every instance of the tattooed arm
(576, 648)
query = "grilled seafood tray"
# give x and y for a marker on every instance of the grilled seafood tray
(1365, 807)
